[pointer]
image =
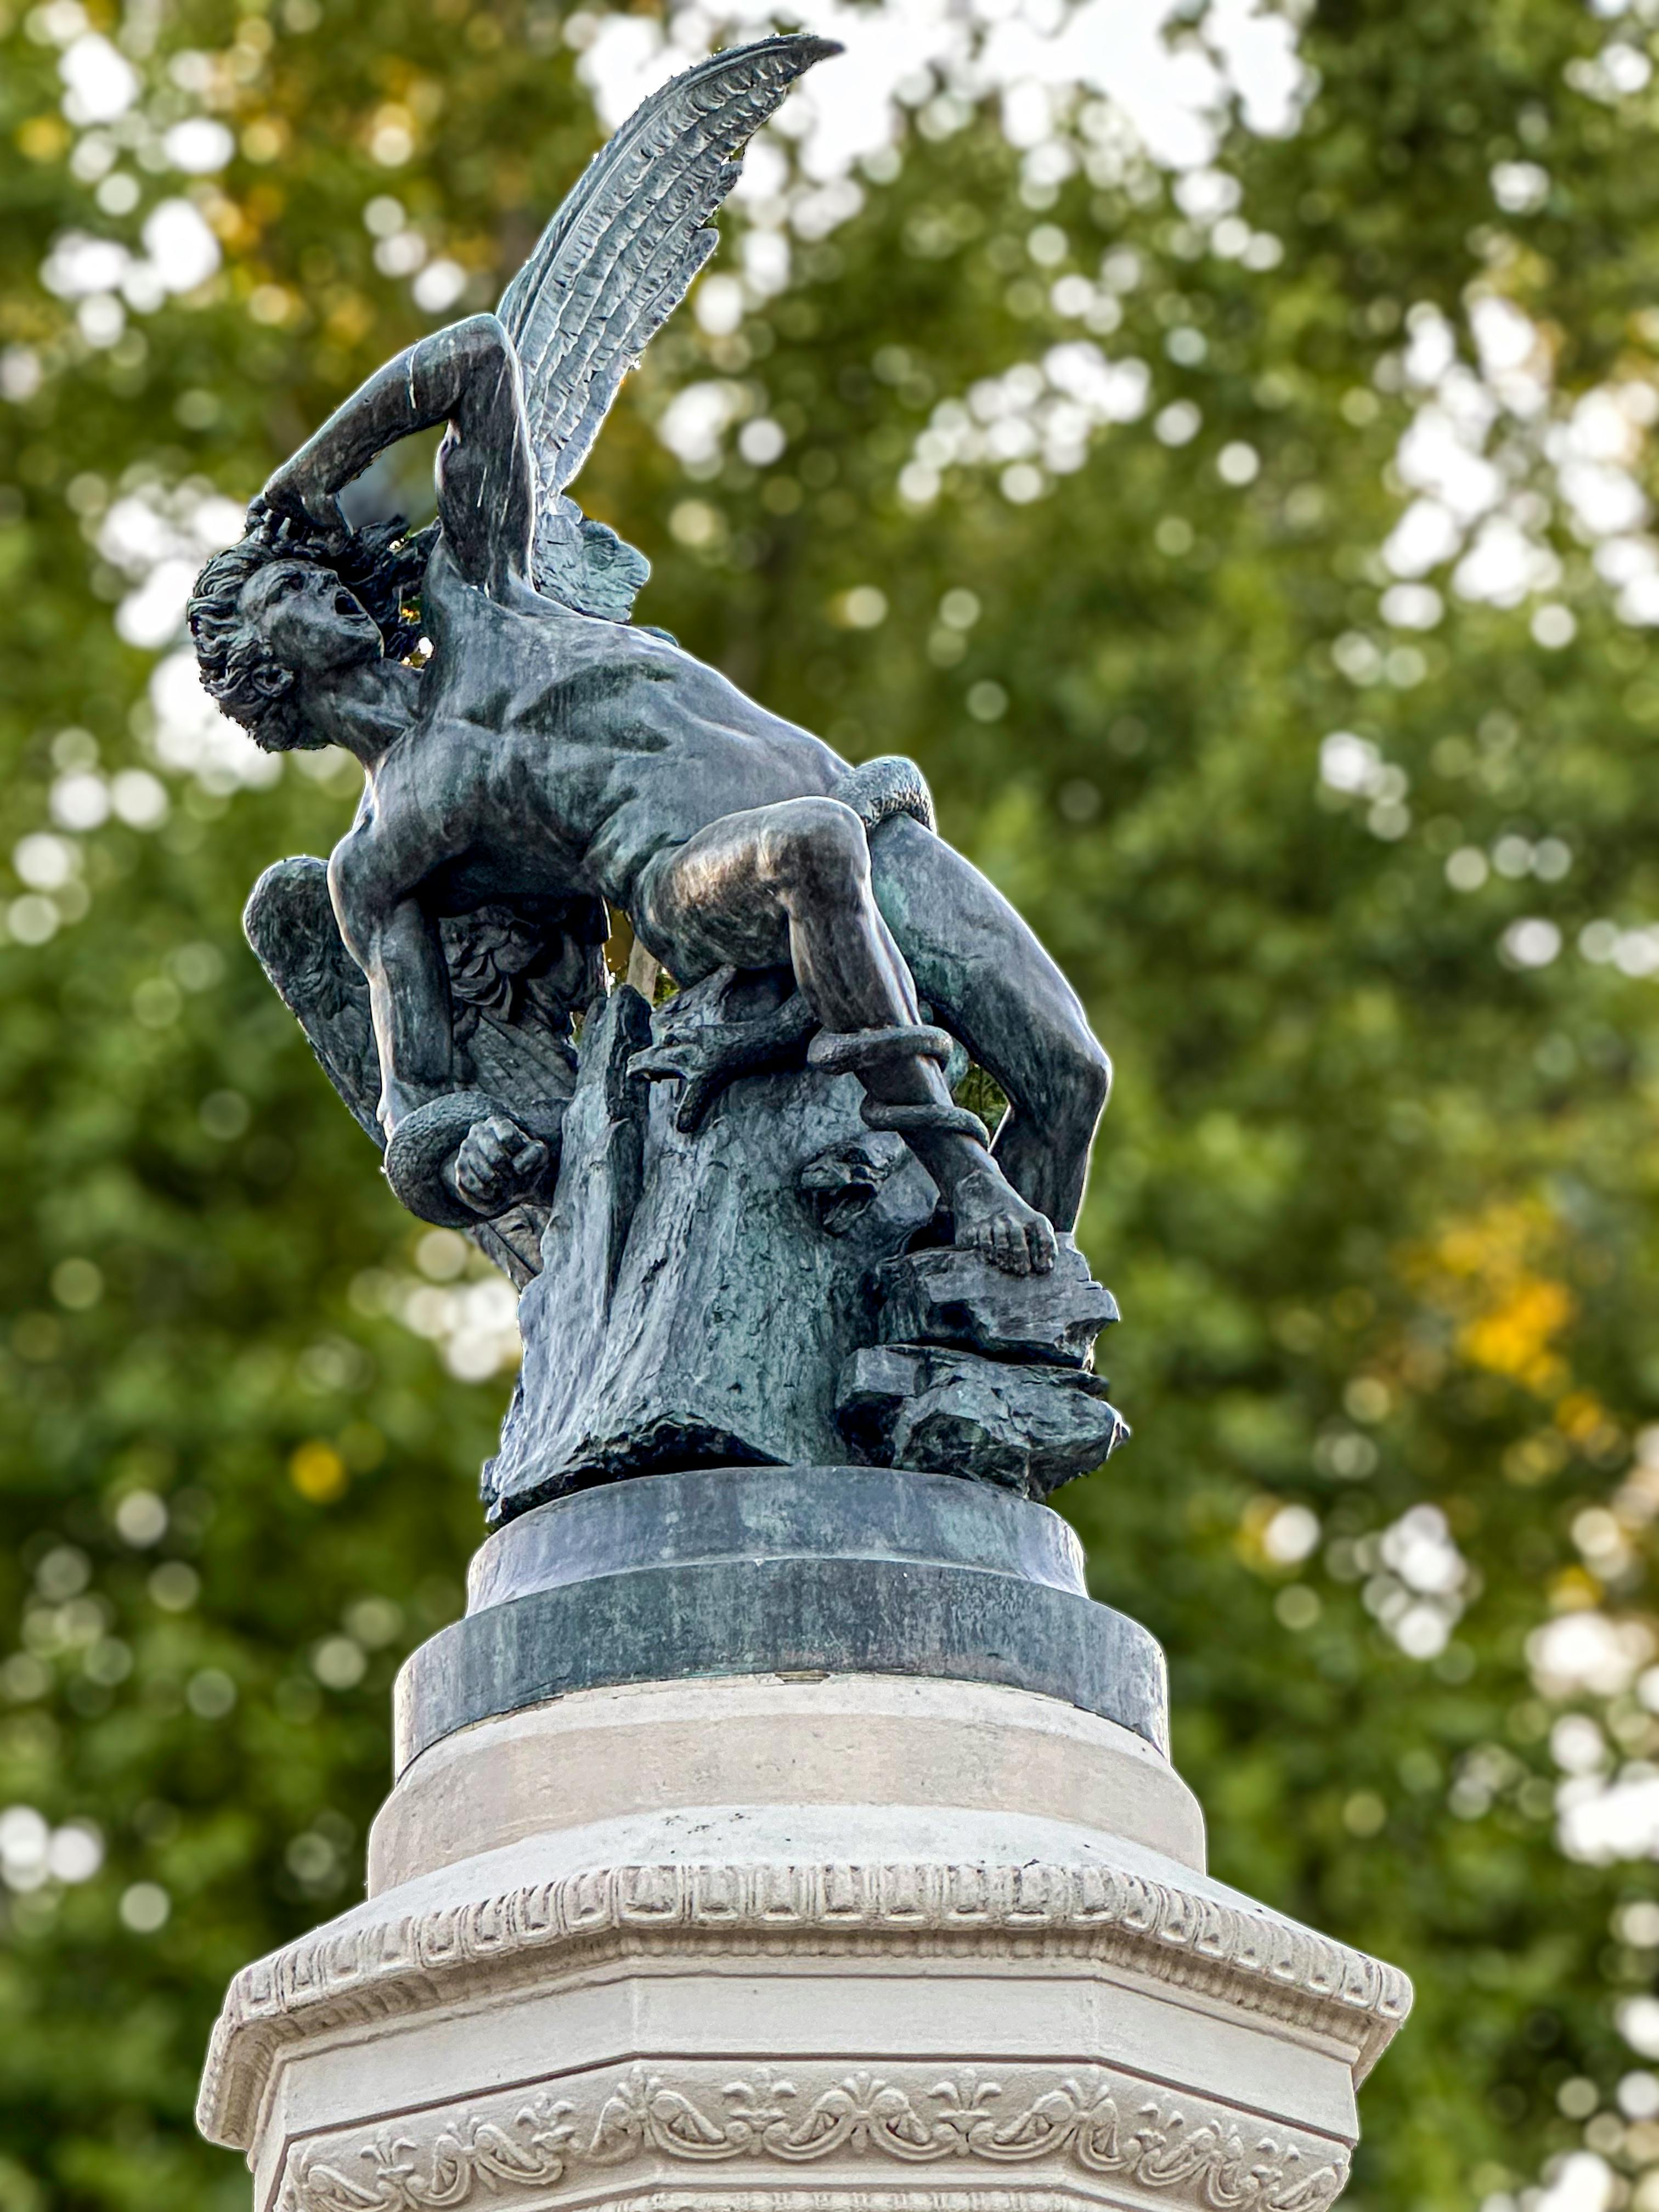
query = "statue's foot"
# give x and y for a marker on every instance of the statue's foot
(992, 1218)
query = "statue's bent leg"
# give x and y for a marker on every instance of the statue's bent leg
(991, 983)
(793, 880)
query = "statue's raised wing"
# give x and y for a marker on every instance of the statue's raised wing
(611, 268)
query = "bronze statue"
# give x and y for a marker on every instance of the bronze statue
(550, 759)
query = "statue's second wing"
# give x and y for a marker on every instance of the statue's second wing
(620, 254)
(289, 922)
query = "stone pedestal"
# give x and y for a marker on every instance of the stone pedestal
(702, 1901)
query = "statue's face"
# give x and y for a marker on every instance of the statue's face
(309, 620)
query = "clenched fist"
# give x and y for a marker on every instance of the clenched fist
(498, 1164)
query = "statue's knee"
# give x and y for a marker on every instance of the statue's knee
(1098, 1075)
(1084, 1077)
(819, 850)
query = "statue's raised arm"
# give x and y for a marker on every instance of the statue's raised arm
(545, 762)
(465, 377)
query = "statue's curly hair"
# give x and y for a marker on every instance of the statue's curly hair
(381, 565)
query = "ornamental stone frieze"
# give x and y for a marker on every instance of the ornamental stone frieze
(540, 2148)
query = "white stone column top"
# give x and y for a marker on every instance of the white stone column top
(872, 1887)
(770, 1739)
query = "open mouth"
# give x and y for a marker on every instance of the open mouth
(345, 605)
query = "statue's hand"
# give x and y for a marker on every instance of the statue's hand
(498, 1164)
(292, 493)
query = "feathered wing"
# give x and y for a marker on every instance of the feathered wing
(290, 923)
(611, 268)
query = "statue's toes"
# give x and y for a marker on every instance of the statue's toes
(1041, 1245)
(1013, 1254)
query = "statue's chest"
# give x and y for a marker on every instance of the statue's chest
(470, 812)
(609, 701)
(556, 678)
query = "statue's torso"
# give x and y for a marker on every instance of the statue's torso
(554, 752)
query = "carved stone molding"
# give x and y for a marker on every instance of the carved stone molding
(378, 1961)
(1096, 2126)
(905, 2197)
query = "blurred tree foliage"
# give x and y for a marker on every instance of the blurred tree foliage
(1378, 1187)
